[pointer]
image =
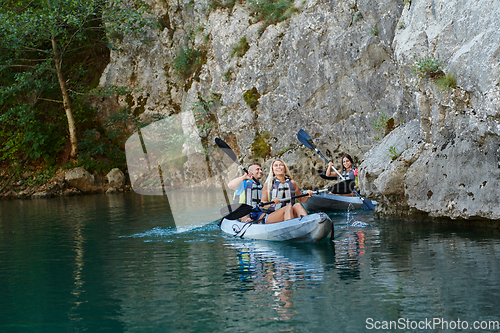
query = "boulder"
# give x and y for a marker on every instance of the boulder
(112, 190)
(116, 178)
(10, 195)
(71, 192)
(81, 179)
(42, 195)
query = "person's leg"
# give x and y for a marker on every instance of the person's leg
(299, 210)
(282, 214)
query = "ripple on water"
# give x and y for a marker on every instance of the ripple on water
(169, 234)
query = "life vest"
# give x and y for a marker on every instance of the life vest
(281, 190)
(251, 194)
(350, 174)
(345, 186)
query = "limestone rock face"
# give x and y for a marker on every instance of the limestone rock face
(383, 173)
(335, 69)
(80, 179)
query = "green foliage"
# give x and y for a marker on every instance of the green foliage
(284, 150)
(446, 81)
(102, 149)
(202, 110)
(227, 74)
(393, 154)
(188, 61)
(430, 67)
(240, 48)
(271, 11)
(384, 125)
(25, 131)
(260, 147)
(126, 18)
(251, 97)
(374, 31)
(205, 103)
(356, 17)
(427, 67)
(229, 4)
(32, 117)
(41, 177)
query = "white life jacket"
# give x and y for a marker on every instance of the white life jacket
(281, 190)
(251, 195)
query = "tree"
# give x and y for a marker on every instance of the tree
(36, 39)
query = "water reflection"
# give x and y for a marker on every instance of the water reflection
(79, 242)
(118, 263)
(279, 269)
(352, 231)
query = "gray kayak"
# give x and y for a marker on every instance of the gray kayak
(310, 228)
(324, 202)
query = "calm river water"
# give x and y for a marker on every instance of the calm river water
(118, 263)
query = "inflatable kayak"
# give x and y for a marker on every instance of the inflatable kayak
(310, 228)
(324, 202)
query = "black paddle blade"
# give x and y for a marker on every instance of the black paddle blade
(225, 147)
(235, 211)
(305, 139)
(323, 175)
(366, 202)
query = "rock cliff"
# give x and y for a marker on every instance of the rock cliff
(357, 75)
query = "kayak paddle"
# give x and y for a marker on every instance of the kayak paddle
(157, 156)
(225, 147)
(306, 140)
(323, 175)
(235, 211)
(290, 198)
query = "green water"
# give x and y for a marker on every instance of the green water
(119, 264)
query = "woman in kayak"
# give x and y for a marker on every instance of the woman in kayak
(279, 185)
(348, 171)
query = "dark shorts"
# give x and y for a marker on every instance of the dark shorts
(256, 216)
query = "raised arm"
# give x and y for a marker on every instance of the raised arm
(235, 183)
(329, 172)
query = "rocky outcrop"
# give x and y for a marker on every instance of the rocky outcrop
(116, 178)
(64, 183)
(456, 171)
(116, 181)
(80, 179)
(384, 170)
(336, 69)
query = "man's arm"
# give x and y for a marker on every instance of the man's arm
(235, 183)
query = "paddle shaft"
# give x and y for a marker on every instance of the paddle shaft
(291, 198)
(235, 211)
(338, 173)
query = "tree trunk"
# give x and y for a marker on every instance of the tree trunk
(66, 102)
